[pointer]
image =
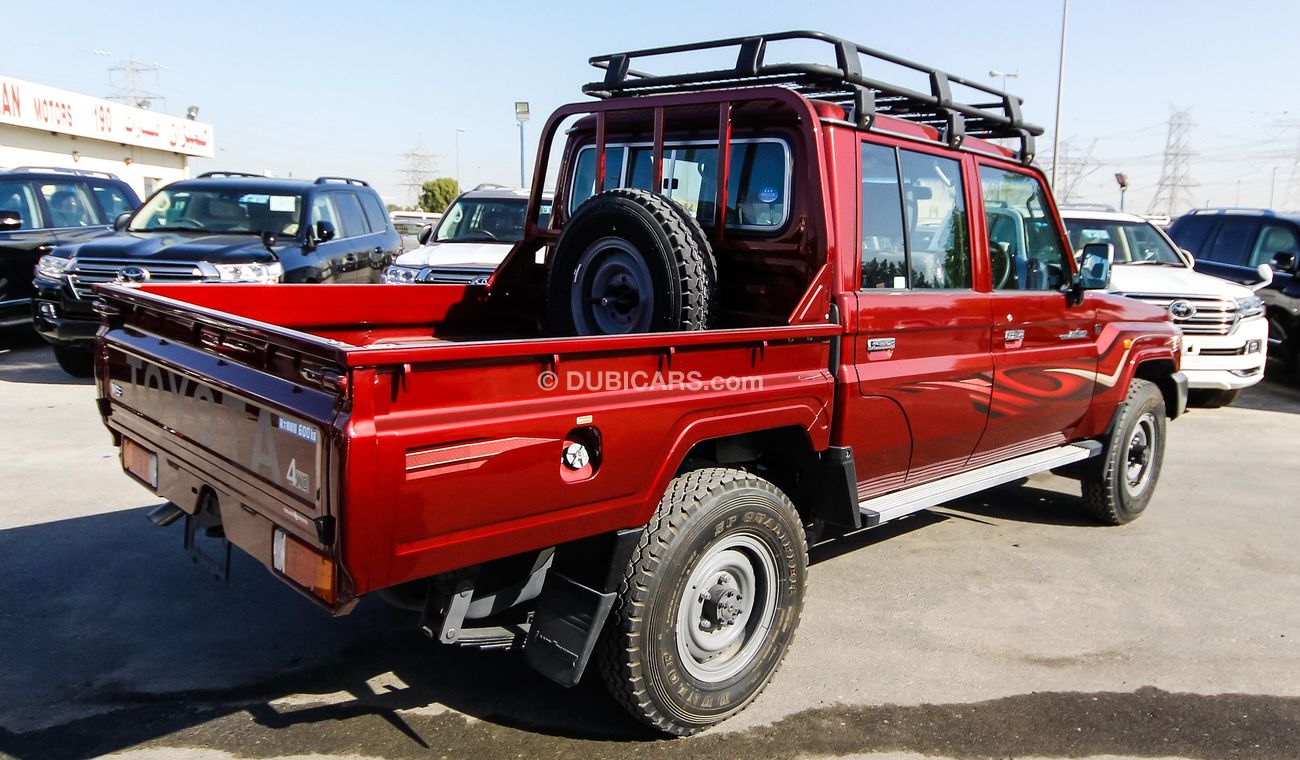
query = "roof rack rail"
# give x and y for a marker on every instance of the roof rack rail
(64, 170)
(492, 186)
(1230, 209)
(344, 180)
(207, 175)
(844, 83)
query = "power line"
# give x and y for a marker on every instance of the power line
(1175, 186)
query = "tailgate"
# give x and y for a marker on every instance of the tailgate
(206, 409)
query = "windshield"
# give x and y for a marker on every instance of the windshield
(488, 220)
(1135, 242)
(220, 211)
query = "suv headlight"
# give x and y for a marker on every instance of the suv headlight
(249, 272)
(399, 275)
(52, 267)
(1250, 306)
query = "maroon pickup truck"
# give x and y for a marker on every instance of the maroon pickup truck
(774, 303)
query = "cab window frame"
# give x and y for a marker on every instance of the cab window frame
(625, 169)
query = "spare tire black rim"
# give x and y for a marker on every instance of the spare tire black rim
(614, 293)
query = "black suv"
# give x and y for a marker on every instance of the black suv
(218, 227)
(42, 207)
(1232, 243)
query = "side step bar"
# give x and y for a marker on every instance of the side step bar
(882, 509)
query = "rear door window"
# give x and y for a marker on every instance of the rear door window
(375, 214)
(350, 213)
(20, 198)
(1232, 244)
(70, 205)
(1190, 232)
(112, 200)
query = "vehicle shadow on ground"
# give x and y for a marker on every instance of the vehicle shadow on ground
(116, 639)
(28, 359)
(1025, 503)
(1272, 394)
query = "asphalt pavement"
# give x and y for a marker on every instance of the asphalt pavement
(1004, 625)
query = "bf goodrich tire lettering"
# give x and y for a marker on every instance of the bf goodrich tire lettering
(709, 603)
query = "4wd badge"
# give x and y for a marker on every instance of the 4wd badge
(297, 478)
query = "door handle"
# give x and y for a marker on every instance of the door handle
(881, 344)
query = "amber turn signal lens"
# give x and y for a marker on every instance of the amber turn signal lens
(303, 565)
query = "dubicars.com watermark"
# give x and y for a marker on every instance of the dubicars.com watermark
(614, 380)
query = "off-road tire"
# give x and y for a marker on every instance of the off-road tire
(77, 361)
(641, 655)
(1209, 398)
(651, 229)
(1107, 490)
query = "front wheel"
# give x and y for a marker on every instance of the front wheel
(1119, 484)
(710, 602)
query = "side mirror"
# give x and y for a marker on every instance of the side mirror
(10, 220)
(1265, 275)
(325, 231)
(1284, 261)
(1094, 267)
(120, 222)
(268, 240)
(426, 234)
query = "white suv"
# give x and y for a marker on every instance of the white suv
(1225, 334)
(473, 237)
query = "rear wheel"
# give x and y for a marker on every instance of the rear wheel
(1118, 485)
(630, 261)
(1206, 398)
(709, 604)
(77, 361)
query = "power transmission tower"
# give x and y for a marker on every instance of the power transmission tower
(1072, 171)
(1175, 188)
(127, 87)
(419, 168)
(1291, 199)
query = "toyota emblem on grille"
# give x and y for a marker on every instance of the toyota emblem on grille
(1181, 309)
(132, 274)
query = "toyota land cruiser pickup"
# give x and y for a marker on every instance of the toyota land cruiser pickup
(773, 302)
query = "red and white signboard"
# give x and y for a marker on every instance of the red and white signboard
(26, 104)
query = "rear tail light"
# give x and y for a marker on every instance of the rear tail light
(303, 565)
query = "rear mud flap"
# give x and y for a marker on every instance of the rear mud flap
(565, 628)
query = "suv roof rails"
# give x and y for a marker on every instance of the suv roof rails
(845, 83)
(207, 175)
(1087, 207)
(493, 186)
(63, 170)
(1234, 209)
(344, 180)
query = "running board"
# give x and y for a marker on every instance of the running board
(882, 509)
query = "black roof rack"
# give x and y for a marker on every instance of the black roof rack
(344, 180)
(206, 175)
(844, 83)
(63, 170)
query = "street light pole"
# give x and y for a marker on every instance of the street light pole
(1272, 188)
(1060, 85)
(521, 116)
(1004, 75)
(459, 132)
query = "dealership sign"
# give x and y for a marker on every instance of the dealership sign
(26, 104)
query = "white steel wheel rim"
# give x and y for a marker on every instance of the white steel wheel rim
(727, 608)
(1139, 454)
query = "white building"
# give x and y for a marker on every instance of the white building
(46, 126)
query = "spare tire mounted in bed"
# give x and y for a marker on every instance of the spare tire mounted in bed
(630, 261)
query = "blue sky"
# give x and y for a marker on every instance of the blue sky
(345, 87)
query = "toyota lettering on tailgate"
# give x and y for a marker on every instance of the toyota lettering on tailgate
(276, 447)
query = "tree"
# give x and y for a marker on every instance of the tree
(437, 195)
